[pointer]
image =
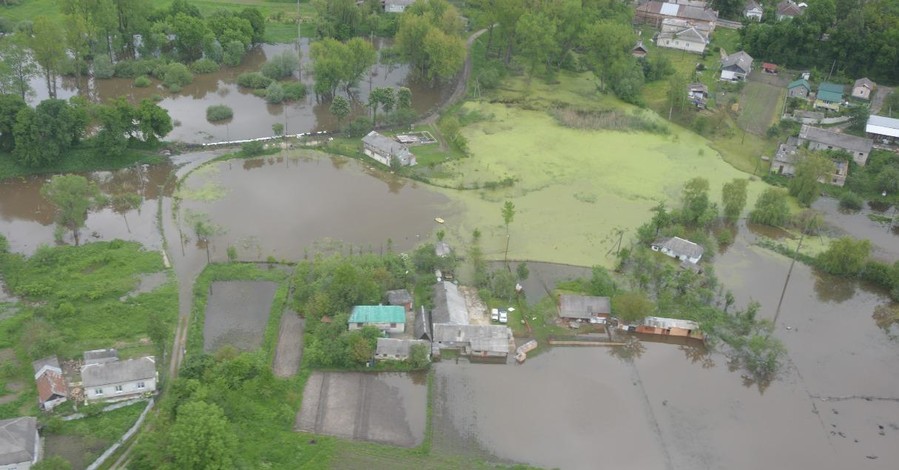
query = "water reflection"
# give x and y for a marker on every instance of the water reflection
(834, 289)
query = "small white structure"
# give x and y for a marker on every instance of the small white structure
(736, 66)
(385, 150)
(393, 349)
(753, 10)
(862, 89)
(678, 248)
(682, 35)
(882, 127)
(119, 380)
(20, 445)
(397, 6)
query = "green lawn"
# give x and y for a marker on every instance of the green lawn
(760, 105)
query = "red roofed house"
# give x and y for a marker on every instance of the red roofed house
(51, 385)
(769, 68)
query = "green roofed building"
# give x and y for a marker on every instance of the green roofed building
(799, 89)
(387, 318)
(830, 96)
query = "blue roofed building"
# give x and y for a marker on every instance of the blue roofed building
(387, 318)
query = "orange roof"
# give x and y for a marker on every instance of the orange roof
(50, 384)
(767, 65)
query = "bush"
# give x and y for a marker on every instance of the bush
(851, 201)
(294, 91)
(274, 93)
(254, 80)
(233, 53)
(251, 149)
(204, 66)
(218, 112)
(103, 67)
(136, 68)
(142, 82)
(176, 76)
(359, 127)
(725, 237)
(281, 65)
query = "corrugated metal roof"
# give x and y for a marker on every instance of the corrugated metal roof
(449, 305)
(839, 140)
(398, 347)
(583, 306)
(669, 9)
(378, 314)
(17, 440)
(882, 125)
(660, 322)
(481, 338)
(97, 375)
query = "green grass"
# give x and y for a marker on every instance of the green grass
(78, 160)
(107, 426)
(761, 104)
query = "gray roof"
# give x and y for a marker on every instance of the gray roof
(846, 142)
(421, 326)
(788, 8)
(751, 5)
(51, 361)
(864, 82)
(98, 375)
(786, 152)
(583, 306)
(680, 11)
(99, 356)
(482, 338)
(397, 347)
(442, 249)
(740, 60)
(449, 305)
(399, 297)
(385, 145)
(690, 34)
(17, 440)
(680, 247)
(700, 87)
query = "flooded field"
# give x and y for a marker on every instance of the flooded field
(253, 117)
(285, 207)
(388, 408)
(885, 242)
(236, 314)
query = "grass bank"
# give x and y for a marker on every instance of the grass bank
(78, 160)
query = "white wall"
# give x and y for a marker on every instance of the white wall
(129, 389)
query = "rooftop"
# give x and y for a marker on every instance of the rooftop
(487, 338)
(583, 306)
(846, 142)
(17, 440)
(786, 152)
(384, 145)
(98, 356)
(680, 246)
(739, 59)
(378, 314)
(680, 11)
(864, 82)
(399, 297)
(660, 322)
(797, 83)
(398, 347)
(883, 125)
(97, 375)
(39, 364)
(449, 305)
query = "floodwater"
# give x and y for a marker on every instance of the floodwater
(288, 208)
(27, 219)
(885, 242)
(253, 117)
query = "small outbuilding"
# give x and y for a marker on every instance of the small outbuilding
(51, 385)
(400, 297)
(100, 356)
(639, 50)
(882, 127)
(863, 88)
(736, 66)
(393, 349)
(799, 88)
(20, 444)
(678, 248)
(768, 67)
(386, 150)
(584, 307)
(670, 327)
(387, 318)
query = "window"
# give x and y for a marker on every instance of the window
(140, 385)
(358, 325)
(98, 391)
(118, 389)
(393, 325)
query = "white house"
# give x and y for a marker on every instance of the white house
(119, 380)
(882, 127)
(753, 10)
(393, 349)
(678, 248)
(51, 385)
(679, 34)
(736, 66)
(788, 9)
(20, 445)
(385, 150)
(862, 89)
(387, 318)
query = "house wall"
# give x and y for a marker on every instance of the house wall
(860, 157)
(783, 169)
(129, 390)
(388, 327)
(798, 92)
(682, 45)
(861, 92)
(674, 255)
(732, 75)
(754, 14)
(827, 105)
(385, 159)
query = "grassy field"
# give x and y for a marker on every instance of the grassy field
(760, 105)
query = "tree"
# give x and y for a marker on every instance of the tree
(433, 53)
(257, 22)
(601, 283)
(508, 213)
(72, 195)
(771, 208)
(730, 9)
(157, 330)
(125, 202)
(858, 119)
(281, 65)
(536, 41)
(677, 93)
(631, 307)
(845, 256)
(42, 135)
(49, 50)
(733, 198)
(16, 68)
(419, 356)
(607, 43)
(809, 171)
(403, 98)
(375, 98)
(154, 121)
(10, 105)
(696, 199)
(358, 57)
(190, 35)
(627, 80)
(661, 219)
(201, 437)
(340, 108)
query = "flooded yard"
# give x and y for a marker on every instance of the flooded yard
(236, 314)
(387, 408)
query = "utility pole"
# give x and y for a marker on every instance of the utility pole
(789, 273)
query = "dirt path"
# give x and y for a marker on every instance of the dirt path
(880, 95)
(289, 351)
(461, 84)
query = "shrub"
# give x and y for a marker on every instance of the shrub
(176, 76)
(142, 82)
(359, 127)
(294, 91)
(254, 80)
(281, 65)
(233, 53)
(851, 201)
(274, 93)
(251, 149)
(136, 68)
(204, 66)
(218, 112)
(103, 67)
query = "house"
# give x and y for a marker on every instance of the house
(654, 12)
(584, 307)
(799, 88)
(670, 327)
(787, 10)
(822, 139)
(697, 91)
(397, 6)
(482, 341)
(50, 383)
(400, 297)
(679, 34)
(387, 318)
(20, 445)
(119, 380)
(882, 127)
(386, 150)
(679, 248)
(393, 349)
(100, 356)
(785, 159)
(736, 66)
(768, 67)
(862, 89)
(753, 10)
(829, 96)
(639, 50)
(421, 326)
(449, 305)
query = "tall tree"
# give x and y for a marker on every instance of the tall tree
(733, 198)
(508, 214)
(154, 121)
(811, 169)
(845, 256)
(10, 105)
(340, 108)
(536, 41)
(771, 208)
(695, 197)
(72, 195)
(607, 44)
(201, 438)
(49, 48)
(17, 68)
(677, 93)
(44, 134)
(190, 35)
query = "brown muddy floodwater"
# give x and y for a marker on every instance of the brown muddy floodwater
(27, 219)
(857, 224)
(289, 208)
(253, 117)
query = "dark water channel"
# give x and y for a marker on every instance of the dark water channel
(253, 117)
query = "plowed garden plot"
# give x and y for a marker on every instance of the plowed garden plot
(236, 314)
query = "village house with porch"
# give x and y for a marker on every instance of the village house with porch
(682, 35)
(863, 88)
(385, 150)
(829, 96)
(799, 88)
(753, 10)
